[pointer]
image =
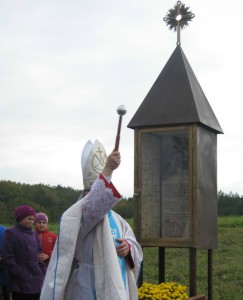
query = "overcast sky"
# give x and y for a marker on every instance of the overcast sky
(66, 66)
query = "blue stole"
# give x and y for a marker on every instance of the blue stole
(116, 235)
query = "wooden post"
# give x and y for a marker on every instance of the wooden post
(140, 277)
(210, 274)
(161, 264)
(193, 271)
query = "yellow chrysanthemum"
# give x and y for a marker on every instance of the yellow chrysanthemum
(162, 291)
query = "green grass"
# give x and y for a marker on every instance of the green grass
(53, 227)
(227, 263)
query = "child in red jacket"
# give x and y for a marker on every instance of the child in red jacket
(47, 238)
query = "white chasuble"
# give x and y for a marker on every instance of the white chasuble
(84, 264)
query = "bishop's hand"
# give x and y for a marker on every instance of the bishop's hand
(113, 161)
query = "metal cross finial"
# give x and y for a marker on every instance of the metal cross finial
(177, 18)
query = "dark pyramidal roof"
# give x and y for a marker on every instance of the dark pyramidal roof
(176, 98)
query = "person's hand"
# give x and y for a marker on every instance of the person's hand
(113, 161)
(43, 256)
(123, 248)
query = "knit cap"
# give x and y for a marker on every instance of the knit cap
(23, 211)
(41, 217)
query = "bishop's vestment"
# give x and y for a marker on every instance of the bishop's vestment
(84, 264)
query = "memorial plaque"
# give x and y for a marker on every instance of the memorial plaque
(174, 184)
(165, 184)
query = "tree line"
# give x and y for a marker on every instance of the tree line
(54, 200)
(230, 204)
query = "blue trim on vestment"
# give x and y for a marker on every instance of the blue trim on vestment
(116, 235)
(115, 232)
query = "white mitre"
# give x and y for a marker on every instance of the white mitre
(93, 160)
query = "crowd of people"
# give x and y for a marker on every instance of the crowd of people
(95, 255)
(25, 254)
